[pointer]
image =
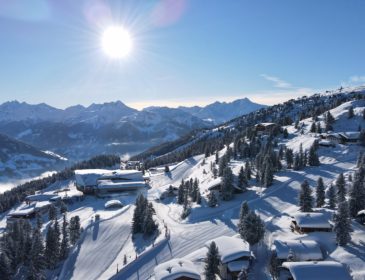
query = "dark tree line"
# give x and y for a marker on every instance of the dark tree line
(23, 249)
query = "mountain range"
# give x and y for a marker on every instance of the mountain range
(79, 132)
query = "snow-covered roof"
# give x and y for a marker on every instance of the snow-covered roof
(354, 135)
(175, 269)
(24, 211)
(120, 173)
(231, 248)
(236, 266)
(125, 185)
(265, 124)
(89, 177)
(214, 183)
(42, 204)
(113, 203)
(312, 220)
(39, 197)
(304, 250)
(361, 212)
(325, 270)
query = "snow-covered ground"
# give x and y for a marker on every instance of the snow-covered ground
(101, 249)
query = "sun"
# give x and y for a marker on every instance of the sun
(116, 42)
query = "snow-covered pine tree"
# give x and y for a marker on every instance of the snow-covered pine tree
(342, 226)
(252, 229)
(52, 246)
(198, 197)
(75, 229)
(212, 199)
(320, 193)
(223, 163)
(289, 156)
(244, 210)
(332, 197)
(242, 180)
(149, 225)
(357, 197)
(212, 262)
(37, 261)
(227, 184)
(248, 171)
(305, 197)
(194, 193)
(52, 212)
(296, 164)
(181, 193)
(268, 175)
(65, 239)
(341, 188)
(313, 159)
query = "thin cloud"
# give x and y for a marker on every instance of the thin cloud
(354, 81)
(278, 83)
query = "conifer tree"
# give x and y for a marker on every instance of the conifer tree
(227, 184)
(332, 197)
(313, 159)
(212, 199)
(75, 229)
(198, 198)
(181, 193)
(297, 162)
(289, 158)
(65, 239)
(149, 225)
(37, 262)
(52, 245)
(357, 197)
(320, 193)
(342, 224)
(212, 262)
(52, 212)
(341, 188)
(248, 171)
(305, 197)
(242, 180)
(252, 229)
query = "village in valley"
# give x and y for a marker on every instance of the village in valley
(281, 199)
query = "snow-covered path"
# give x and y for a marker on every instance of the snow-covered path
(101, 244)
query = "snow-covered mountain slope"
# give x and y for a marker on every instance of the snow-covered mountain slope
(80, 132)
(100, 252)
(219, 112)
(19, 160)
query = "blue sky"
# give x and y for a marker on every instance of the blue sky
(185, 52)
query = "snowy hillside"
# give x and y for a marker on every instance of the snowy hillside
(19, 160)
(107, 249)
